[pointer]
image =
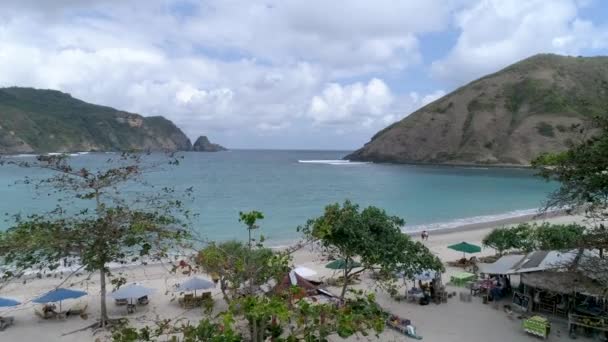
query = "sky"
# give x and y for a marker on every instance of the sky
(282, 74)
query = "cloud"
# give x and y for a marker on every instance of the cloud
(352, 104)
(496, 33)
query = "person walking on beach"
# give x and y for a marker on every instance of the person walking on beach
(424, 235)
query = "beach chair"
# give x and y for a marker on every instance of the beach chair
(45, 314)
(120, 302)
(78, 309)
(131, 308)
(143, 300)
(6, 322)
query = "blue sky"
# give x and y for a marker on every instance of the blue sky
(282, 74)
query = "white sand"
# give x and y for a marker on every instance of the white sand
(454, 321)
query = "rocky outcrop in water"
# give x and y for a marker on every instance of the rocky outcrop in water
(202, 144)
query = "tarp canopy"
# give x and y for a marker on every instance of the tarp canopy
(194, 284)
(132, 291)
(6, 302)
(305, 271)
(293, 279)
(58, 295)
(504, 265)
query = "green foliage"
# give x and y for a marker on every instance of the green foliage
(205, 331)
(52, 121)
(370, 235)
(117, 230)
(271, 318)
(236, 265)
(558, 236)
(545, 129)
(527, 237)
(582, 172)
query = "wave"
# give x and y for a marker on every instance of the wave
(470, 220)
(331, 162)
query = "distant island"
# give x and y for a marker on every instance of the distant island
(202, 144)
(40, 121)
(506, 118)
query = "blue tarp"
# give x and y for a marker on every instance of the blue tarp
(59, 295)
(5, 302)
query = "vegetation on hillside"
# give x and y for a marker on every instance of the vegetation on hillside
(52, 121)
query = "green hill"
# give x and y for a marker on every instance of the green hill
(36, 121)
(506, 118)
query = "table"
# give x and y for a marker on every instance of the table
(461, 278)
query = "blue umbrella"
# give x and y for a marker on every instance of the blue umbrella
(6, 302)
(58, 295)
(194, 284)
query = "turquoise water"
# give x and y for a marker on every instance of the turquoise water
(289, 192)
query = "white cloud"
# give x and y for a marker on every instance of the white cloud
(353, 103)
(495, 33)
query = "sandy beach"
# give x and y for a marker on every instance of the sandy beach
(454, 321)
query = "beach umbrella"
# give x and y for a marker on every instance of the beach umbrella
(341, 264)
(465, 247)
(194, 284)
(6, 302)
(132, 291)
(59, 295)
(304, 272)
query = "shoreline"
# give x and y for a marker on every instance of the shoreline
(493, 223)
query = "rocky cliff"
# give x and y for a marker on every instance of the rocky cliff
(506, 118)
(38, 121)
(202, 144)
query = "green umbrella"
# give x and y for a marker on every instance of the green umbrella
(341, 264)
(465, 247)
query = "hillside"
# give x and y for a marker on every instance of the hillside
(506, 118)
(37, 121)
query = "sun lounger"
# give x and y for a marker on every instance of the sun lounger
(77, 309)
(403, 326)
(121, 301)
(45, 315)
(143, 300)
(6, 322)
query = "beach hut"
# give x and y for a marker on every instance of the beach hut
(291, 280)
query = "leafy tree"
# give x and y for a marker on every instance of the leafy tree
(501, 239)
(241, 268)
(120, 228)
(237, 266)
(548, 236)
(372, 237)
(271, 318)
(527, 237)
(582, 172)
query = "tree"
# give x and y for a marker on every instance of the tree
(547, 237)
(582, 172)
(271, 318)
(236, 266)
(115, 227)
(528, 237)
(501, 239)
(372, 237)
(242, 268)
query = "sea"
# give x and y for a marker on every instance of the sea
(290, 187)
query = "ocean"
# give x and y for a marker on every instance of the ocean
(290, 187)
